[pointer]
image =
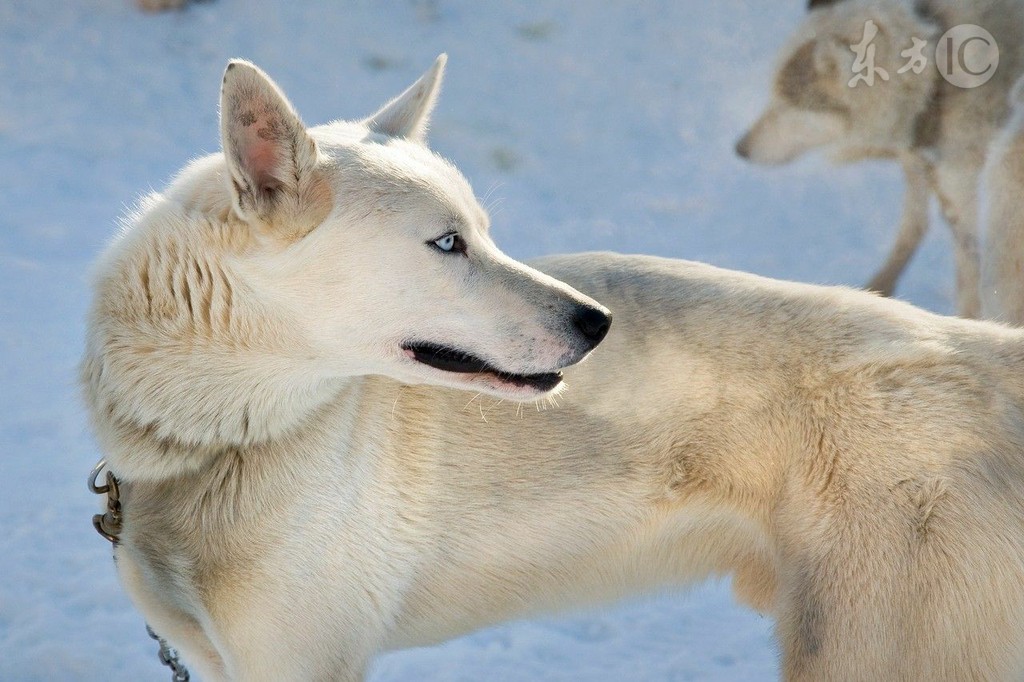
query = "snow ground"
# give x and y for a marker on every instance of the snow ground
(586, 125)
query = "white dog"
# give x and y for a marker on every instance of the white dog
(274, 363)
(937, 130)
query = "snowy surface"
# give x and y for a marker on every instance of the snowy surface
(585, 125)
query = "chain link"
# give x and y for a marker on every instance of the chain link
(169, 657)
(109, 526)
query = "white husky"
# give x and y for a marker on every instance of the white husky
(938, 131)
(272, 367)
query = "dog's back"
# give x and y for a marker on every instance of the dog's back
(901, 435)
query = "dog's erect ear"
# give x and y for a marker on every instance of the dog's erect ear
(267, 148)
(815, 4)
(408, 115)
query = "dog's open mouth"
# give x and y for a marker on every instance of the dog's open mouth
(459, 362)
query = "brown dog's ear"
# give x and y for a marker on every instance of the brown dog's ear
(815, 4)
(269, 154)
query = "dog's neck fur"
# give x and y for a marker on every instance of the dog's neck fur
(175, 295)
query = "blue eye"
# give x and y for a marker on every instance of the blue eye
(450, 243)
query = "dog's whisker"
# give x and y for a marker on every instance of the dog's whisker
(497, 184)
(475, 396)
(494, 405)
(496, 207)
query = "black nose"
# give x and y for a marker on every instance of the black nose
(593, 323)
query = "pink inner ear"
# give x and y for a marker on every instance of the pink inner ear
(260, 150)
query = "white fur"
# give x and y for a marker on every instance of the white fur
(299, 494)
(937, 131)
(1003, 203)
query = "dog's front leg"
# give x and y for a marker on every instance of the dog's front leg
(957, 189)
(320, 661)
(300, 638)
(913, 224)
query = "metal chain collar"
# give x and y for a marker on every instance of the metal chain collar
(108, 525)
(169, 657)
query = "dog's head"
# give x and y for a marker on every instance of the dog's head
(241, 298)
(838, 84)
(382, 250)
